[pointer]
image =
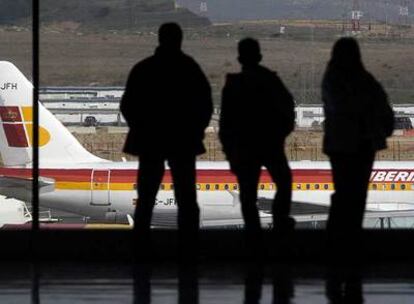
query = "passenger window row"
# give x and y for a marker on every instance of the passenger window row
(261, 187)
(296, 186)
(307, 186)
(384, 186)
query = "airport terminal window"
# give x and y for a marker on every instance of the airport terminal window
(83, 74)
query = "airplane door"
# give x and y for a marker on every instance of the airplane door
(100, 188)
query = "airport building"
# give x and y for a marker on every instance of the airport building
(94, 106)
(66, 213)
(88, 106)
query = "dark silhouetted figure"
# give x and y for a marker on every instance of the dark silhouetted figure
(142, 283)
(283, 284)
(358, 121)
(257, 114)
(254, 277)
(188, 291)
(344, 286)
(282, 281)
(167, 105)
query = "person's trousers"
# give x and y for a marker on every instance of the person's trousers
(248, 171)
(150, 174)
(351, 174)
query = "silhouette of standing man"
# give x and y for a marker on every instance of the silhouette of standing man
(167, 105)
(257, 114)
(358, 121)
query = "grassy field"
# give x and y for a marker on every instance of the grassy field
(70, 57)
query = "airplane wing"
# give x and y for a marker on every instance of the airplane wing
(231, 216)
(310, 212)
(304, 218)
(389, 214)
(228, 222)
(21, 188)
(297, 208)
(303, 213)
(368, 215)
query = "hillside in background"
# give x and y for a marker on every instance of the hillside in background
(100, 14)
(123, 14)
(230, 10)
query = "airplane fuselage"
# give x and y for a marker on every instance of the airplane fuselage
(95, 189)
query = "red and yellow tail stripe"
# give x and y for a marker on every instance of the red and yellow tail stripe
(18, 127)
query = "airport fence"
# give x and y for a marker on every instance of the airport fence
(109, 146)
(397, 151)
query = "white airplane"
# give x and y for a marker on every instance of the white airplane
(74, 180)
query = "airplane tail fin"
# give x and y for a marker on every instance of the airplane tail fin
(56, 143)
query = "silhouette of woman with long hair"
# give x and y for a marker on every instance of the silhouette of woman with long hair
(358, 121)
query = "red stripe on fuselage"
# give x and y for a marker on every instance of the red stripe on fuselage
(130, 175)
(203, 176)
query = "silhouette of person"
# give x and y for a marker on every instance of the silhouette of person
(257, 114)
(344, 286)
(254, 277)
(142, 283)
(358, 119)
(283, 284)
(188, 292)
(282, 281)
(167, 104)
